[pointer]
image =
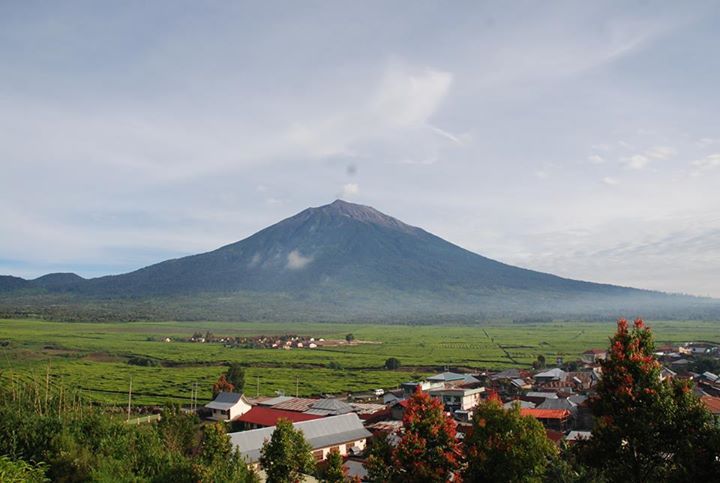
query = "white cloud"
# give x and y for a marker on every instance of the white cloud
(705, 142)
(637, 161)
(610, 181)
(349, 190)
(408, 98)
(709, 162)
(660, 152)
(596, 159)
(295, 261)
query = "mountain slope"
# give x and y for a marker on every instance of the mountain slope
(344, 260)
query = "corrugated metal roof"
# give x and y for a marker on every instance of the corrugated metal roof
(522, 404)
(296, 404)
(557, 404)
(224, 400)
(546, 395)
(319, 433)
(275, 400)
(264, 416)
(331, 406)
(552, 373)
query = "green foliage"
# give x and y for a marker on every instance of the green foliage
(218, 461)
(77, 442)
(20, 471)
(504, 446)
(349, 337)
(287, 455)
(178, 429)
(334, 471)
(236, 376)
(647, 429)
(379, 463)
(392, 364)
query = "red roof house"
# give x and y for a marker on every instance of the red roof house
(263, 417)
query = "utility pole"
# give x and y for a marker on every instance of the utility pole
(297, 385)
(129, 398)
(47, 384)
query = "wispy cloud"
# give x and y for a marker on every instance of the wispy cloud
(709, 162)
(296, 261)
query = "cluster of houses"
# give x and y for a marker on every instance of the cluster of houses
(260, 342)
(557, 398)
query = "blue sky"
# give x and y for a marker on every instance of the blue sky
(577, 138)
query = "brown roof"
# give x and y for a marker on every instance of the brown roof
(545, 413)
(712, 403)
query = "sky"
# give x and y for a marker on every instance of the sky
(577, 138)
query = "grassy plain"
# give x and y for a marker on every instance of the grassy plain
(92, 357)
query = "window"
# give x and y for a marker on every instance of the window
(318, 455)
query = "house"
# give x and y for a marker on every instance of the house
(409, 388)
(593, 356)
(457, 398)
(344, 433)
(227, 406)
(552, 375)
(557, 419)
(453, 379)
(264, 417)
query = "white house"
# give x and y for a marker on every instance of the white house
(458, 399)
(228, 406)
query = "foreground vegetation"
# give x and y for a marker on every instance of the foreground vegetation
(95, 358)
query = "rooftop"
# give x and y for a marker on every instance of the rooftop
(545, 413)
(225, 400)
(320, 433)
(264, 416)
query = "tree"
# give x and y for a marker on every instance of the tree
(379, 463)
(541, 361)
(235, 375)
(428, 450)
(647, 429)
(392, 364)
(334, 472)
(349, 338)
(218, 461)
(286, 456)
(222, 385)
(177, 429)
(505, 446)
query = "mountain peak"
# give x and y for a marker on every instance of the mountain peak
(362, 213)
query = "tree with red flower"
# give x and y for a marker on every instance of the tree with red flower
(646, 429)
(428, 450)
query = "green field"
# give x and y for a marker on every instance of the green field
(92, 357)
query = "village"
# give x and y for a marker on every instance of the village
(285, 341)
(557, 397)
